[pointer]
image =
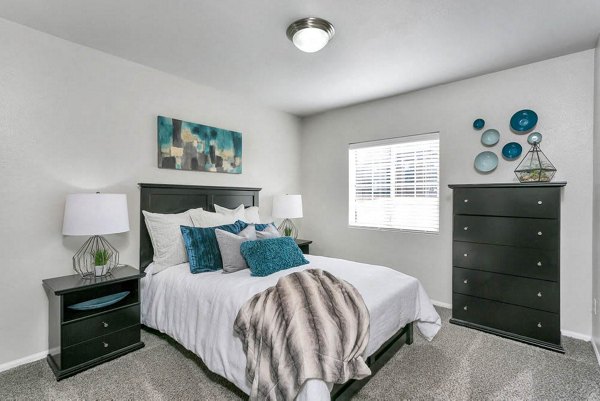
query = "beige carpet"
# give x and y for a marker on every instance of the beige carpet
(459, 364)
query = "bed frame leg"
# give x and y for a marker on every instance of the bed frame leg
(409, 334)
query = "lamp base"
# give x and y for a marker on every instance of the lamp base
(288, 229)
(96, 258)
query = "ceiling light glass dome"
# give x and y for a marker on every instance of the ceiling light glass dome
(310, 34)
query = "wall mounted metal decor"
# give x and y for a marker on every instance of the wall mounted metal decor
(184, 145)
(523, 121)
(478, 124)
(511, 150)
(490, 137)
(486, 162)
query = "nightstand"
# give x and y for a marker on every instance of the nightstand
(80, 339)
(303, 244)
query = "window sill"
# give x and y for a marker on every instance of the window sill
(401, 230)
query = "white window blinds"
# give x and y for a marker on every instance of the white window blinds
(394, 183)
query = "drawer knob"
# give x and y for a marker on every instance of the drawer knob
(466, 281)
(539, 263)
(539, 233)
(539, 294)
(104, 324)
(465, 255)
(105, 345)
(540, 325)
(466, 201)
(466, 228)
(540, 202)
(465, 308)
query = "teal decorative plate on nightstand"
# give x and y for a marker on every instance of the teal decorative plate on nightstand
(101, 302)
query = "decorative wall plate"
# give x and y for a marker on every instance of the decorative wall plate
(534, 137)
(478, 124)
(512, 150)
(523, 121)
(101, 302)
(490, 137)
(486, 162)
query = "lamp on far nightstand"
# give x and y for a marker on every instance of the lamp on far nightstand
(95, 215)
(287, 207)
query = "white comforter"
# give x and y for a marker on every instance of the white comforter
(198, 310)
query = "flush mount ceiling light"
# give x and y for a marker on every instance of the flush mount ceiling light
(310, 34)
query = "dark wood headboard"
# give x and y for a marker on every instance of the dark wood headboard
(166, 198)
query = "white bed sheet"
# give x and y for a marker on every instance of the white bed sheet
(198, 310)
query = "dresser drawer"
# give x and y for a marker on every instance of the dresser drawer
(528, 233)
(86, 329)
(540, 325)
(525, 262)
(99, 346)
(528, 292)
(517, 202)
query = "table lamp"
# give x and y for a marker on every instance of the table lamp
(287, 207)
(95, 215)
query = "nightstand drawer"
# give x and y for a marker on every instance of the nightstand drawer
(87, 351)
(87, 329)
(540, 325)
(529, 233)
(528, 292)
(523, 262)
(516, 202)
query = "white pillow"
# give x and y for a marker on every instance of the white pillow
(250, 214)
(203, 219)
(166, 237)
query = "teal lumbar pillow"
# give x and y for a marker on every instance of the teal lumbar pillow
(202, 246)
(268, 256)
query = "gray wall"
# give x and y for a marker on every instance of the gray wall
(561, 92)
(596, 237)
(74, 119)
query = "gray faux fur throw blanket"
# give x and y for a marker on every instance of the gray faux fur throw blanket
(310, 325)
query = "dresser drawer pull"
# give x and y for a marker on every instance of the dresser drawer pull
(466, 201)
(539, 294)
(465, 255)
(540, 202)
(465, 308)
(105, 324)
(466, 228)
(105, 344)
(540, 325)
(539, 264)
(539, 233)
(466, 281)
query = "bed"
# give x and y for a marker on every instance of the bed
(198, 310)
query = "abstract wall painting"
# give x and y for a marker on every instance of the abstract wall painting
(183, 145)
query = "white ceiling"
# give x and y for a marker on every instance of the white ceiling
(381, 47)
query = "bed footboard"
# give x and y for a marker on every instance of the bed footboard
(345, 391)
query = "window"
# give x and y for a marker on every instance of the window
(394, 183)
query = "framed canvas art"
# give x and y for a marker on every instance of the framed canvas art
(183, 145)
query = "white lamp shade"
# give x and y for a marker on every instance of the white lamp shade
(287, 206)
(95, 214)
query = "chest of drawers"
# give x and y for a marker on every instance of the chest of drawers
(506, 261)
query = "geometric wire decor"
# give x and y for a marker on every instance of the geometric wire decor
(288, 229)
(535, 166)
(95, 258)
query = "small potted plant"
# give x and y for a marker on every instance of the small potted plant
(101, 259)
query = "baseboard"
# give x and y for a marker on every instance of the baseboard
(23, 361)
(595, 347)
(577, 336)
(441, 304)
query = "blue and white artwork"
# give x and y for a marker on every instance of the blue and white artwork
(189, 146)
